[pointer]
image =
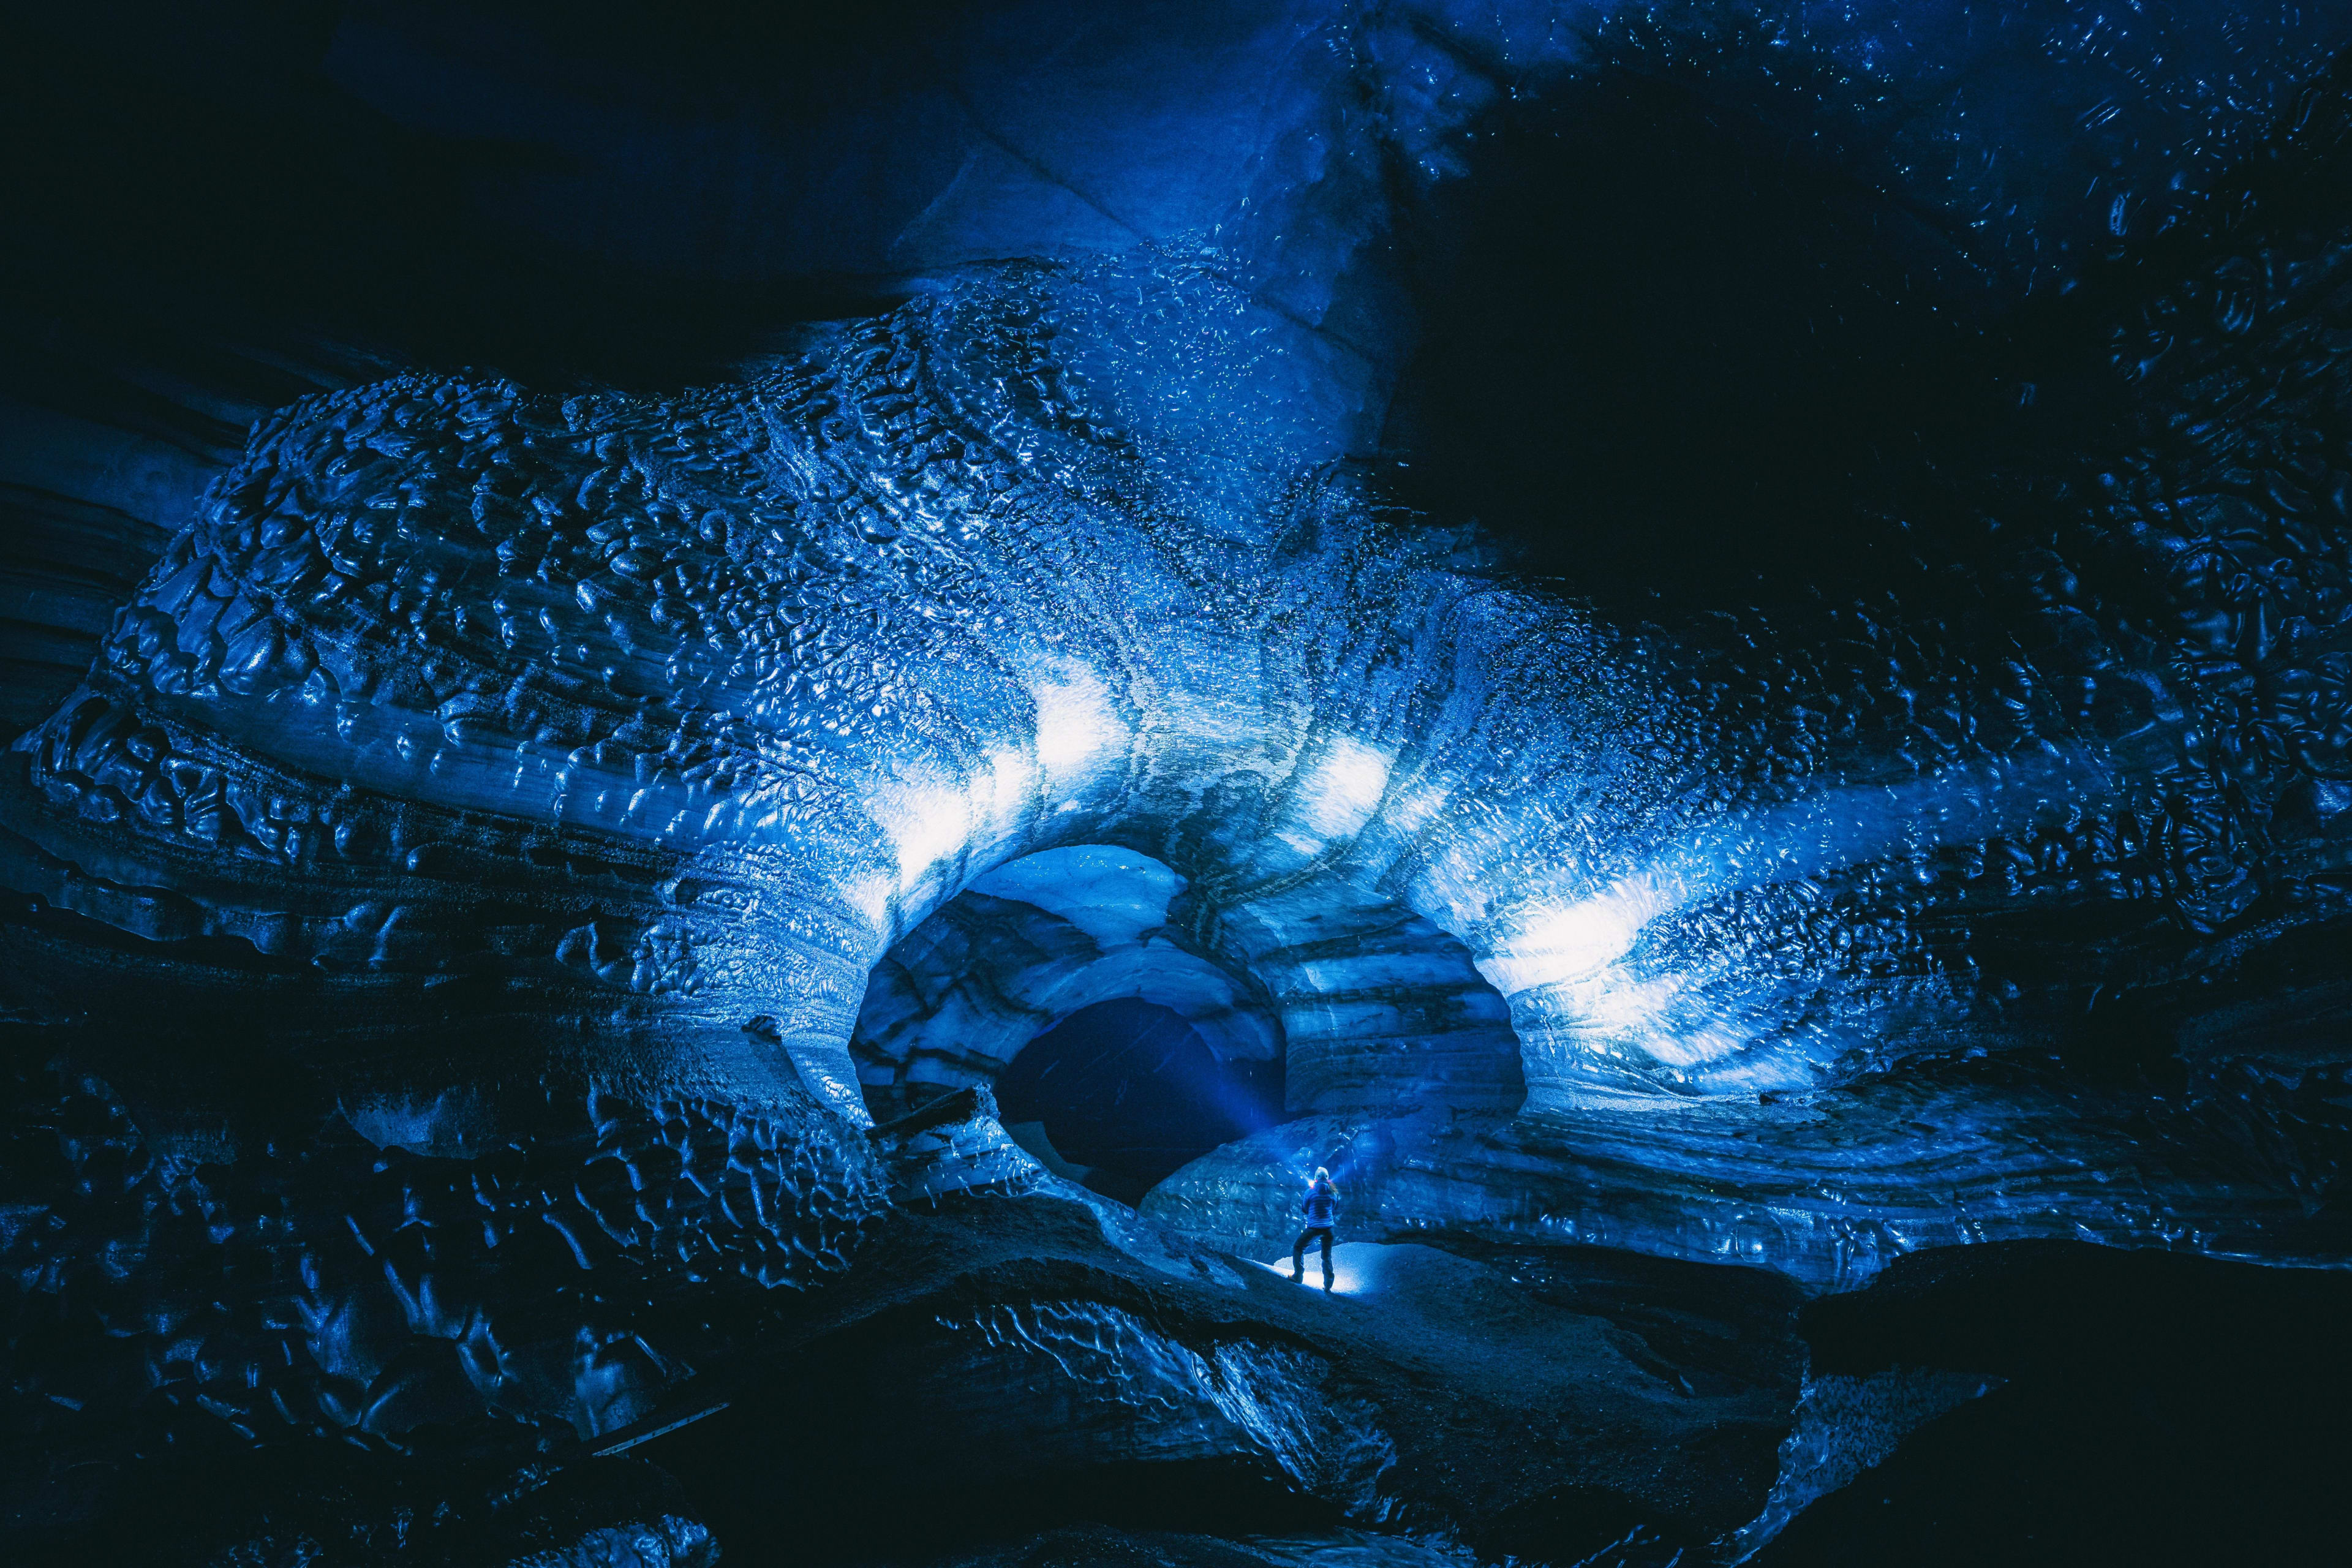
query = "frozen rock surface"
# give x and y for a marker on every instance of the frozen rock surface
(1611, 1394)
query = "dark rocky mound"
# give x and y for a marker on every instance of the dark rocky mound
(2158, 1408)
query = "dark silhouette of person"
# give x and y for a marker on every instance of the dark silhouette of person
(1322, 1209)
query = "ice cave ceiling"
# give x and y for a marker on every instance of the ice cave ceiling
(1670, 636)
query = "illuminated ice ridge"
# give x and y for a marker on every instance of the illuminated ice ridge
(656, 722)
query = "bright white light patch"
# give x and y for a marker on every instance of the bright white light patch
(1561, 942)
(1075, 726)
(870, 896)
(1338, 796)
(1346, 1280)
(925, 825)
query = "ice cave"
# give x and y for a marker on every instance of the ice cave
(735, 734)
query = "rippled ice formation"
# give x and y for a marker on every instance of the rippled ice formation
(834, 641)
(594, 808)
(789, 662)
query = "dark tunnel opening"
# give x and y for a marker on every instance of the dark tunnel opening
(1130, 1091)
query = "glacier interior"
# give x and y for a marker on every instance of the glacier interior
(734, 734)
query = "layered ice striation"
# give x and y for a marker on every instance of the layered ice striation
(669, 717)
(834, 643)
(1297, 539)
(597, 808)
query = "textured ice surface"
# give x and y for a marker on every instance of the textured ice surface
(432, 1289)
(1078, 1383)
(590, 806)
(1844, 1426)
(1829, 1187)
(796, 661)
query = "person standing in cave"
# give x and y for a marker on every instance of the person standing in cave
(1322, 1210)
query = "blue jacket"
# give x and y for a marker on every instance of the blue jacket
(1321, 1206)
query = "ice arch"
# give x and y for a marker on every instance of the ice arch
(790, 663)
(1374, 1009)
(536, 740)
(1029, 945)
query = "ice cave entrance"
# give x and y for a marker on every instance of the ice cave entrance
(1128, 1021)
(1120, 1043)
(1122, 1094)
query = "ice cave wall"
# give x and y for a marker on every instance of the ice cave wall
(484, 843)
(487, 737)
(806, 655)
(984, 639)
